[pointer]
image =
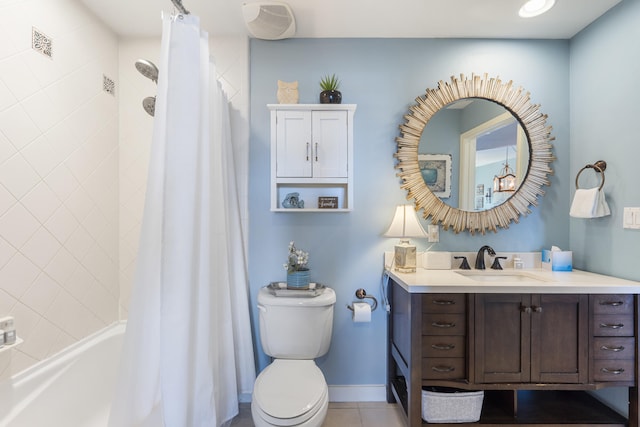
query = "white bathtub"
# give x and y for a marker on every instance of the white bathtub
(72, 388)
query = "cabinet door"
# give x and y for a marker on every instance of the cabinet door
(293, 144)
(502, 338)
(330, 144)
(559, 338)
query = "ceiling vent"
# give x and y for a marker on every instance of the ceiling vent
(269, 20)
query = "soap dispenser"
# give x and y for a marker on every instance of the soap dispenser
(518, 264)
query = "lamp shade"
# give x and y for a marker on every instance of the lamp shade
(405, 223)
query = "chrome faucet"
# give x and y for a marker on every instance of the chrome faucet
(480, 256)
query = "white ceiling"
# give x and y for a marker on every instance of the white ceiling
(368, 18)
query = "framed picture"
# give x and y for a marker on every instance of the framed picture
(436, 172)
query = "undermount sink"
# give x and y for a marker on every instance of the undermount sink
(500, 276)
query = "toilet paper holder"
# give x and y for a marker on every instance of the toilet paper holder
(362, 294)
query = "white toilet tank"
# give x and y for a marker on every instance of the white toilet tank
(296, 327)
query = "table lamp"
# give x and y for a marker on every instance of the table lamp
(405, 224)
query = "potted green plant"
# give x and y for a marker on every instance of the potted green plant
(330, 93)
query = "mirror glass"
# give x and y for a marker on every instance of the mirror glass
(446, 159)
(483, 139)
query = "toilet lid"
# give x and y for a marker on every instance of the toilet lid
(289, 388)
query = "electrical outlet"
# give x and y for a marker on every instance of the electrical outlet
(433, 233)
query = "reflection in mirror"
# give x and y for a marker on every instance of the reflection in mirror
(482, 138)
(529, 158)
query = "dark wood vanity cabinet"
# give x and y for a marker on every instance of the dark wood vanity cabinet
(532, 354)
(523, 338)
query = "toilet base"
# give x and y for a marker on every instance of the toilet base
(315, 421)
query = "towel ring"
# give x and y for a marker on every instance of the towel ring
(599, 166)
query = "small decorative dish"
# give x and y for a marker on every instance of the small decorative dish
(280, 289)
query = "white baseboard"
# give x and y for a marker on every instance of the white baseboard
(358, 393)
(244, 397)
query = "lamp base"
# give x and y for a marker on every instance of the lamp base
(405, 257)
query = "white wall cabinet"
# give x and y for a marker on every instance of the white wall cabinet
(312, 155)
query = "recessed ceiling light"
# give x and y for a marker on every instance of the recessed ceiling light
(535, 7)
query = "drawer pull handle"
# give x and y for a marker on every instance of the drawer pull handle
(443, 324)
(443, 302)
(612, 371)
(614, 349)
(537, 308)
(612, 325)
(443, 346)
(612, 303)
(442, 368)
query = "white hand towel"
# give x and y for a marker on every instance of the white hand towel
(603, 207)
(589, 203)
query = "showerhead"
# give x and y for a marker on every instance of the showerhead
(147, 69)
(149, 105)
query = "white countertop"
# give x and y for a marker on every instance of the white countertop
(527, 281)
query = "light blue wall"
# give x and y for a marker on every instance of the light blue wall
(605, 112)
(605, 66)
(384, 76)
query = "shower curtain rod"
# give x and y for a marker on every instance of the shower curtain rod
(180, 7)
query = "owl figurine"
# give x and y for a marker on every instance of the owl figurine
(287, 92)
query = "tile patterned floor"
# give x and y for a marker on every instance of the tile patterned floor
(344, 414)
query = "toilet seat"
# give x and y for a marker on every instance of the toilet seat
(290, 392)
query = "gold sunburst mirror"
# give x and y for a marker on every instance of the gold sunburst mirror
(536, 152)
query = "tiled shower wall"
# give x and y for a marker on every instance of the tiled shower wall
(71, 199)
(58, 177)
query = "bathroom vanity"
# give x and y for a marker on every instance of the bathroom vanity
(535, 341)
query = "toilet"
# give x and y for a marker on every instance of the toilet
(294, 330)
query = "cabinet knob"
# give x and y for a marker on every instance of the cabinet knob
(525, 309)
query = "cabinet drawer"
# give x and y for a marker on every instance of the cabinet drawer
(444, 303)
(443, 346)
(443, 324)
(612, 325)
(613, 370)
(443, 368)
(613, 348)
(612, 304)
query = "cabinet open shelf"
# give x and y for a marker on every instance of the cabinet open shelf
(311, 194)
(530, 408)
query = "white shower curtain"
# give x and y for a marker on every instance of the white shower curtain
(188, 349)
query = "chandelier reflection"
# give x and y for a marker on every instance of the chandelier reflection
(506, 180)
